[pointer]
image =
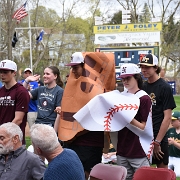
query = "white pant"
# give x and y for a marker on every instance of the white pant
(31, 117)
(174, 163)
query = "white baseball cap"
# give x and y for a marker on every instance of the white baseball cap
(76, 58)
(129, 69)
(28, 69)
(8, 65)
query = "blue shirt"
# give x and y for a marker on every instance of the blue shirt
(32, 103)
(65, 166)
(1, 84)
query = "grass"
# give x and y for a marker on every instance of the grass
(28, 141)
(177, 100)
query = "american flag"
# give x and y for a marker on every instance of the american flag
(20, 13)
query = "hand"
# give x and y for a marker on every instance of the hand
(108, 155)
(33, 78)
(28, 87)
(58, 110)
(170, 141)
(157, 153)
(105, 155)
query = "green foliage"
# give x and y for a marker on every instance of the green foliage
(145, 17)
(117, 18)
(77, 26)
(170, 29)
(47, 18)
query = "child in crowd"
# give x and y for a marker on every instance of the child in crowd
(174, 143)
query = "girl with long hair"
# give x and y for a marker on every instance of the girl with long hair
(48, 97)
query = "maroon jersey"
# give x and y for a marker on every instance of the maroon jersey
(128, 143)
(11, 100)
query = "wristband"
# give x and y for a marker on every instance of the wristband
(157, 142)
(26, 82)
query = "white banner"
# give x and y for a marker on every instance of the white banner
(134, 37)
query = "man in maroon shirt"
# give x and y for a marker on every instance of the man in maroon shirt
(14, 98)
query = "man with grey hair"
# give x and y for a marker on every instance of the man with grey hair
(16, 163)
(63, 163)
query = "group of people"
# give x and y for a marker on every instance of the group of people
(14, 107)
(159, 94)
(155, 96)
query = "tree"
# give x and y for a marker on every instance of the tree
(117, 18)
(133, 6)
(7, 24)
(145, 16)
(171, 31)
(167, 10)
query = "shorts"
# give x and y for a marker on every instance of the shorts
(89, 155)
(132, 164)
(165, 159)
(31, 117)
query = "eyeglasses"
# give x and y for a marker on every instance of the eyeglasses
(127, 78)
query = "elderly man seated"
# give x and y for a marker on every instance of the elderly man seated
(16, 163)
(63, 163)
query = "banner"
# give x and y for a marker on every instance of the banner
(135, 37)
(112, 111)
(120, 28)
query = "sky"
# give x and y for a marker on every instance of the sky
(107, 7)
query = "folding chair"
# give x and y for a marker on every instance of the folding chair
(150, 173)
(107, 172)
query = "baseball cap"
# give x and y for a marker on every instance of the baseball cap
(175, 115)
(76, 58)
(129, 69)
(28, 69)
(8, 65)
(149, 60)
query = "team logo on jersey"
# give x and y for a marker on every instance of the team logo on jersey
(6, 101)
(153, 98)
(44, 103)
